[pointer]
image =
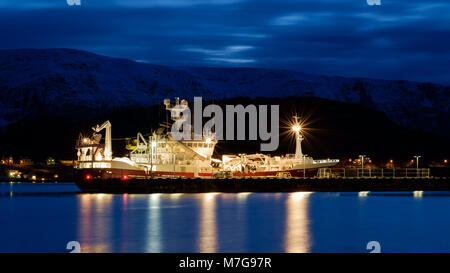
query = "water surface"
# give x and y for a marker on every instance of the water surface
(45, 217)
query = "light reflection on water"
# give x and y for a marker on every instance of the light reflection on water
(95, 222)
(297, 232)
(207, 233)
(153, 239)
(43, 218)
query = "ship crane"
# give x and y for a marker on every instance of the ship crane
(107, 126)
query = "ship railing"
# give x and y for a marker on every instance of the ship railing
(319, 161)
(375, 172)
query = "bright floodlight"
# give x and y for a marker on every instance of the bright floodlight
(296, 128)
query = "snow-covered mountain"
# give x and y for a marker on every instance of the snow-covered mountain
(36, 82)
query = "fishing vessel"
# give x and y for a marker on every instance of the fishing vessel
(159, 155)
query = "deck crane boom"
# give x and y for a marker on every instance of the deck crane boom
(107, 126)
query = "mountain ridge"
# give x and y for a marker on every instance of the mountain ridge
(67, 82)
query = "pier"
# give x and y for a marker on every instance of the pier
(196, 185)
(374, 173)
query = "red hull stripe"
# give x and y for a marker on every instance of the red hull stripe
(118, 173)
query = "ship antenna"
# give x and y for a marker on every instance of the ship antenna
(167, 120)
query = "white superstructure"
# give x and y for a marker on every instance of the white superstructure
(160, 155)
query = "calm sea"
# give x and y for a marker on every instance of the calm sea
(46, 217)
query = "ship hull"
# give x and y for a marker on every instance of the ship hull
(111, 173)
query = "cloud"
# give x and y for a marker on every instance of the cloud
(231, 61)
(397, 40)
(226, 55)
(171, 3)
(41, 4)
(229, 50)
(289, 19)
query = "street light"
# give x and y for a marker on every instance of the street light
(298, 137)
(417, 164)
(362, 164)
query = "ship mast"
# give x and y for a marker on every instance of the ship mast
(298, 138)
(107, 126)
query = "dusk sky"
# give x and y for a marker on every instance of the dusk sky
(400, 39)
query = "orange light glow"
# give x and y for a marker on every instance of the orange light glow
(296, 128)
